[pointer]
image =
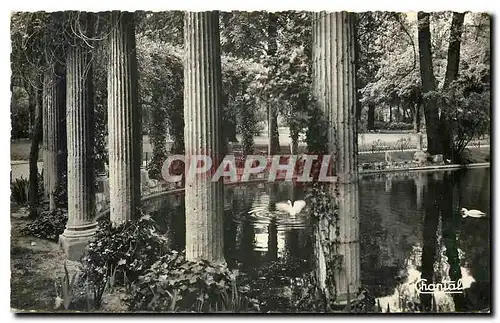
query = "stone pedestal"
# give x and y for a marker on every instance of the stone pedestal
(81, 224)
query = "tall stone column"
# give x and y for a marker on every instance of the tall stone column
(203, 135)
(80, 135)
(334, 87)
(124, 121)
(55, 151)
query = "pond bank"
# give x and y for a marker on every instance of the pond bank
(425, 168)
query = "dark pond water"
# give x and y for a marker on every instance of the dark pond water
(410, 228)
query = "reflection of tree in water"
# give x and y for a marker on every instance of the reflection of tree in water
(433, 201)
(389, 223)
(440, 258)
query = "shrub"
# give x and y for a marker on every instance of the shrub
(49, 225)
(174, 284)
(19, 190)
(403, 143)
(400, 126)
(377, 124)
(119, 255)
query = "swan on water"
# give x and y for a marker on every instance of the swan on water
(291, 209)
(472, 213)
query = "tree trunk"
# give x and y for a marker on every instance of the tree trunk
(56, 153)
(294, 136)
(273, 132)
(247, 133)
(157, 138)
(176, 130)
(446, 129)
(203, 136)
(36, 139)
(428, 83)
(124, 121)
(416, 118)
(390, 113)
(371, 117)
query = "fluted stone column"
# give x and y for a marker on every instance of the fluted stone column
(124, 121)
(55, 151)
(334, 87)
(203, 135)
(80, 135)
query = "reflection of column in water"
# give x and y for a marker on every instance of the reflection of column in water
(388, 183)
(228, 198)
(272, 245)
(272, 240)
(420, 180)
(346, 276)
(246, 252)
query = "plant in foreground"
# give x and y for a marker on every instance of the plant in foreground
(174, 284)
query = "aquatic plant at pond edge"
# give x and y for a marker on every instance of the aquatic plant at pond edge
(174, 284)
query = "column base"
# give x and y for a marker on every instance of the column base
(73, 242)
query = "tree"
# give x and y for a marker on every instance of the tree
(31, 54)
(434, 145)
(451, 75)
(272, 46)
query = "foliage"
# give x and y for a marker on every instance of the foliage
(20, 113)
(174, 284)
(119, 255)
(61, 192)
(403, 143)
(322, 202)
(161, 86)
(99, 62)
(19, 190)
(49, 224)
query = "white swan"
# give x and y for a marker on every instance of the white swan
(472, 213)
(292, 210)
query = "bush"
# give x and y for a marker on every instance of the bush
(49, 225)
(393, 125)
(174, 284)
(377, 124)
(400, 126)
(403, 143)
(119, 255)
(19, 190)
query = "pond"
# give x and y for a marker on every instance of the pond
(410, 228)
